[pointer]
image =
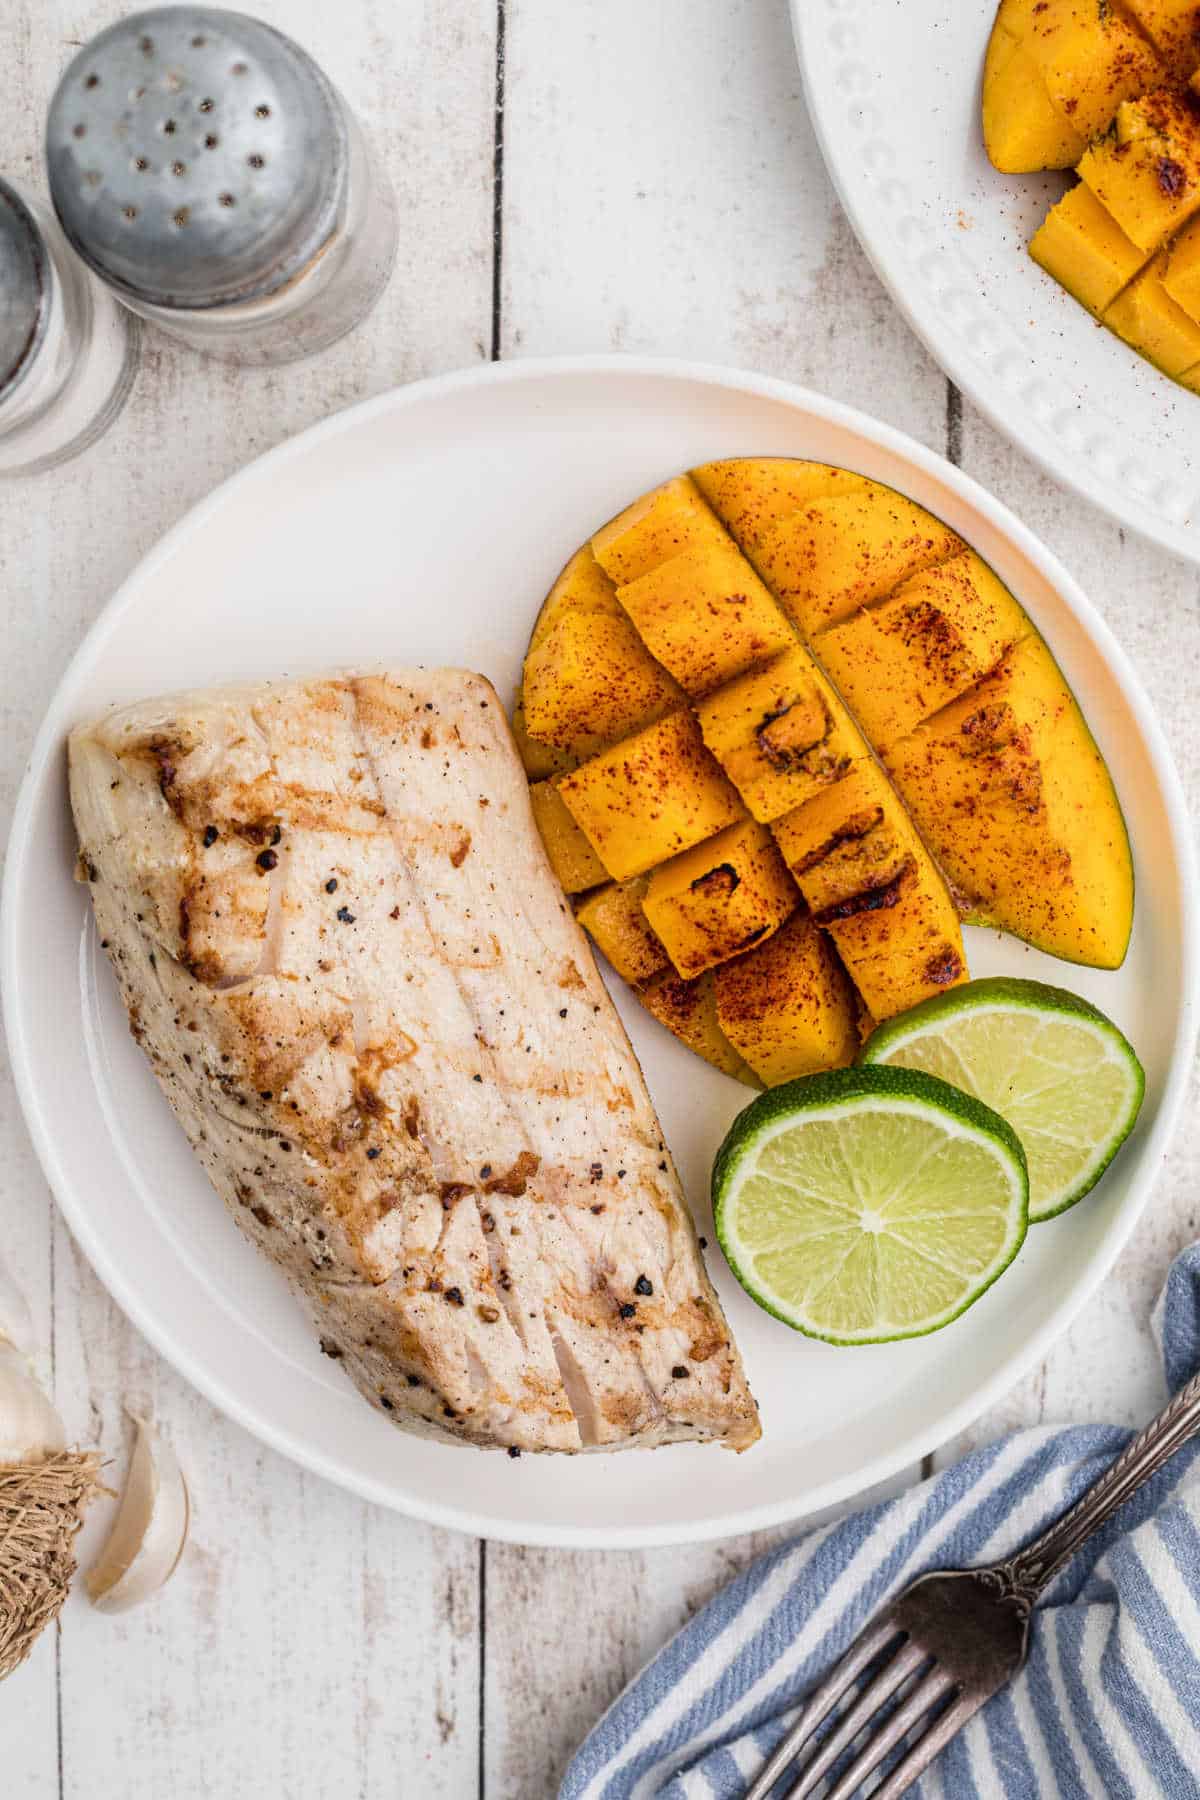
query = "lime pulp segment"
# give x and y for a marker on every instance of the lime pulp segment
(1050, 1063)
(869, 1204)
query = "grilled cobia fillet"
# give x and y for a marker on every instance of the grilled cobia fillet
(343, 951)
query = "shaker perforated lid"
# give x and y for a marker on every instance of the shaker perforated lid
(197, 157)
(25, 278)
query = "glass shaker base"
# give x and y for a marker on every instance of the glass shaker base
(87, 406)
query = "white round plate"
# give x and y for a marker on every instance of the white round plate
(426, 526)
(894, 93)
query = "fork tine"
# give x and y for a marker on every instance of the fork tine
(922, 1753)
(935, 1686)
(908, 1658)
(862, 1651)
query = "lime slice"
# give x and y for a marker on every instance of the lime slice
(1061, 1073)
(869, 1204)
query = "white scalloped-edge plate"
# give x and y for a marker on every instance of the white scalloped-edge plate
(894, 93)
(426, 526)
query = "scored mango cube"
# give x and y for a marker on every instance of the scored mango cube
(1173, 26)
(1014, 797)
(705, 615)
(539, 760)
(582, 586)
(1180, 272)
(720, 897)
(939, 633)
(1081, 245)
(660, 525)
(614, 918)
(688, 1009)
(650, 796)
(1145, 170)
(904, 946)
(870, 882)
(1023, 127)
(851, 839)
(590, 680)
(835, 556)
(567, 849)
(752, 494)
(1055, 73)
(780, 734)
(786, 1006)
(1152, 324)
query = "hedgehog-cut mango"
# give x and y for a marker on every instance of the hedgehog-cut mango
(865, 738)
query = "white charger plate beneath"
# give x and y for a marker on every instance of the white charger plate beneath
(894, 93)
(426, 526)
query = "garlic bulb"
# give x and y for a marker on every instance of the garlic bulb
(30, 1428)
(44, 1488)
(149, 1531)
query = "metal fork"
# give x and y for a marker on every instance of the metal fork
(954, 1638)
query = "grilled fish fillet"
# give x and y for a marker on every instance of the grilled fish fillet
(344, 953)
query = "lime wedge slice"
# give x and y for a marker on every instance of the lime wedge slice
(869, 1204)
(1061, 1073)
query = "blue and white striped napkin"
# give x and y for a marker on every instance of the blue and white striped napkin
(1108, 1706)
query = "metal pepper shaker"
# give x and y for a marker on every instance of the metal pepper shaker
(68, 352)
(205, 168)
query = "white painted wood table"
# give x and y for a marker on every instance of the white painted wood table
(634, 175)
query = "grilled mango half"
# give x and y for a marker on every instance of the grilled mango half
(784, 731)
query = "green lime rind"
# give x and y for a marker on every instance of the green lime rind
(1007, 994)
(812, 1091)
(873, 1089)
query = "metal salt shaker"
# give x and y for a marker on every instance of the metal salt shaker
(68, 352)
(205, 168)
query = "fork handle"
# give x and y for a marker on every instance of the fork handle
(1023, 1577)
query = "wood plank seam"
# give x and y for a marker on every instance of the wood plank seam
(498, 187)
(496, 351)
(954, 424)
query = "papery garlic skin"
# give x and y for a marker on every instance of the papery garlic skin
(149, 1531)
(30, 1428)
(16, 1321)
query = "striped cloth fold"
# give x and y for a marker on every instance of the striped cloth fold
(1108, 1705)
